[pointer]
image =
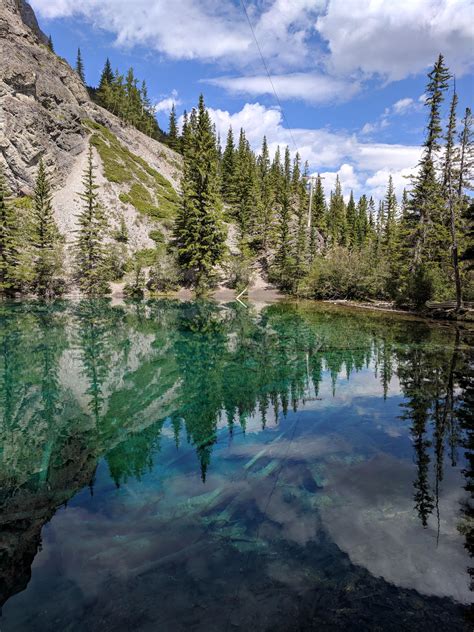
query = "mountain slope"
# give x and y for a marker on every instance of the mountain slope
(46, 112)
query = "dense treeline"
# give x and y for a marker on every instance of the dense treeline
(308, 243)
(127, 97)
(409, 250)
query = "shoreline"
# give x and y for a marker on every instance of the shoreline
(270, 295)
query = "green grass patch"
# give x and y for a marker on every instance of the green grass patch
(150, 192)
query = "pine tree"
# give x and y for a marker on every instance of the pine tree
(184, 141)
(465, 155)
(266, 196)
(300, 255)
(80, 66)
(283, 260)
(173, 130)
(337, 216)
(50, 44)
(199, 235)
(45, 240)
(89, 249)
(104, 91)
(318, 217)
(389, 229)
(449, 194)
(107, 75)
(229, 184)
(9, 242)
(426, 200)
(362, 222)
(351, 222)
(246, 194)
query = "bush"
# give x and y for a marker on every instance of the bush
(240, 273)
(346, 274)
(164, 273)
(420, 287)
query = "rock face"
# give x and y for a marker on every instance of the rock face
(41, 101)
(43, 107)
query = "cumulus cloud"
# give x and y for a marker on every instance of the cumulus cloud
(390, 39)
(361, 166)
(209, 30)
(165, 105)
(187, 30)
(397, 39)
(310, 87)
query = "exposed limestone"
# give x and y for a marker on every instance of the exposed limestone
(43, 106)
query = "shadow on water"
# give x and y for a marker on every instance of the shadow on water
(205, 466)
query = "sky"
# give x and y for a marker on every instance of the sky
(349, 75)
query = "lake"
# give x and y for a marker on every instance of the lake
(171, 465)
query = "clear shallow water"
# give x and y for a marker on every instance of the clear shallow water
(193, 466)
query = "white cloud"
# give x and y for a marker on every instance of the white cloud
(210, 30)
(397, 39)
(403, 105)
(399, 108)
(348, 178)
(186, 30)
(310, 87)
(165, 105)
(362, 166)
(390, 39)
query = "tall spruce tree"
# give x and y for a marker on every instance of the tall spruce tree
(45, 240)
(9, 242)
(283, 263)
(266, 196)
(80, 66)
(199, 234)
(318, 225)
(229, 184)
(351, 222)
(362, 222)
(173, 129)
(50, 44)
(89, 249)
(449, 194)
(300, 254)
(246, 203)
(426, 199)
(390, 226)
(337, 216)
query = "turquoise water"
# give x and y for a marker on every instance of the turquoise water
(196, 466)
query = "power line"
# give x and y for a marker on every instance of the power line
(244, 7)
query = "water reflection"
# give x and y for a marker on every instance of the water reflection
(303, 425)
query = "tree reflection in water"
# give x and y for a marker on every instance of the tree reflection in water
(84, 383)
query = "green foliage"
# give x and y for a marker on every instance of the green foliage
(135, 280)
(46, 241)
(150, 192)
(80, 66)
(240, 269)
(121, 234)
(9, 242)
(347, 274)
(173, 137)
(90, 253)
(126, 99)
(157, 236)
(164, 273)
(199, 234)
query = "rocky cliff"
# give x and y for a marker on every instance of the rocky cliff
(46, 112)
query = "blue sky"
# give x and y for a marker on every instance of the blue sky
(350, 74)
